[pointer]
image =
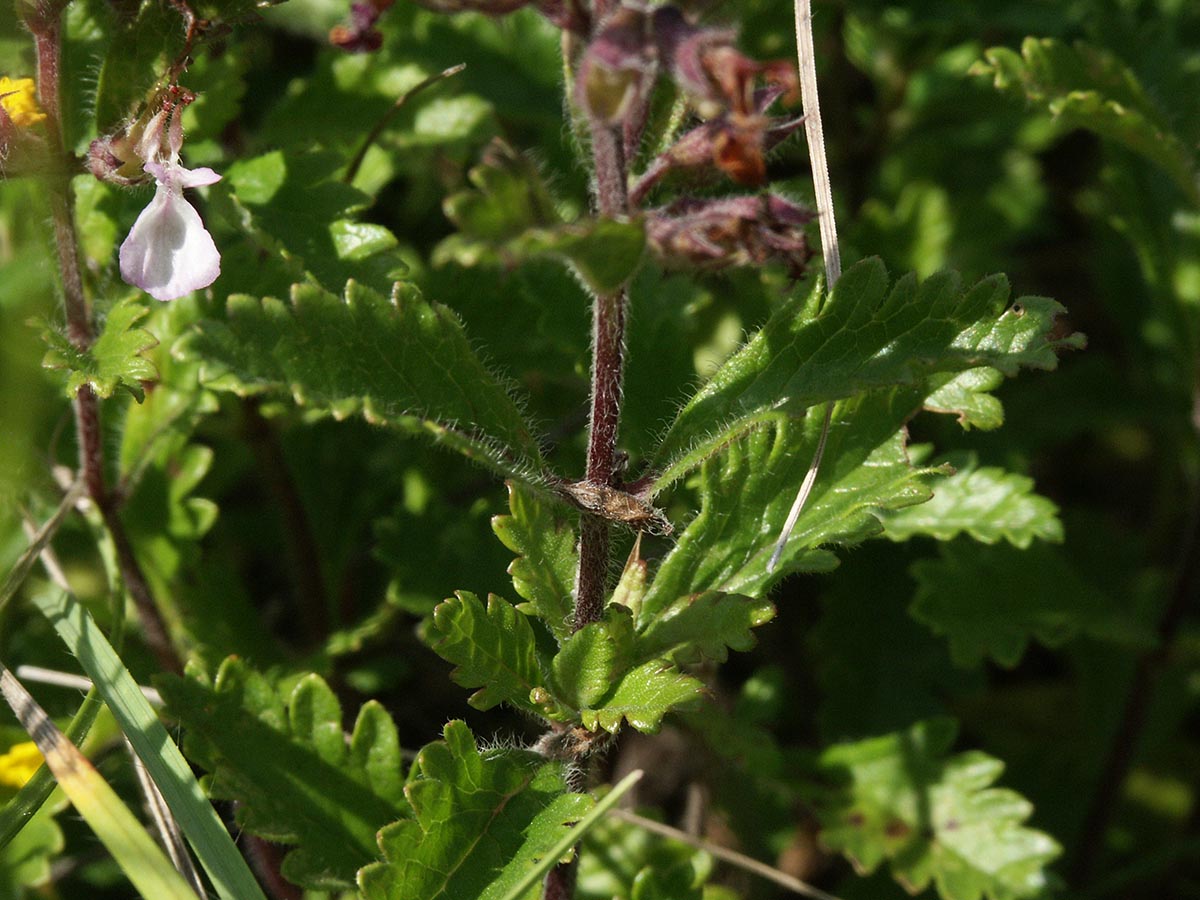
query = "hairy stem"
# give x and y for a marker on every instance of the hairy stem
(45, 22)
(560, 883)
(47, 35)
(608, 369)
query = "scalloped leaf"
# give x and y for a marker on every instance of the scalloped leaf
(403, 362)
(968, 395)
(868, 334)
(288, 762)
(709, 625)
(114, 360)
(746, 492)
(934, 818)
(987, 503)
(1083, 86)
(593, 659)
(992, 601)
(643, 697)
(494, 649)
(544, 570)
(481, 821)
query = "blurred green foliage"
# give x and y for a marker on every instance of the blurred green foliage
(1055, 141)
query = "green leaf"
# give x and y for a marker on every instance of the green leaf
(708, 625)
(967, 394)
(643, 697)
(991, 601)
(593, 659)
(405, 363)
(987, 503)
(114, 360)
(1083, 86)
(481, 821)
(934, 818)
(25, 860)
(746, 492)
(288, 763)
(865, 336)
(510, 217)
(604, 252)
(579, 831)
(507, 197)
(135, 58)
(495, 650)
(913, 337)
(158, 753)
(621, 860)
(544, 570)
(133, 849)
(296, 205)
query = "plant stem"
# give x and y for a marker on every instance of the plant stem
(45, 22)
(47, 41)
(560, 883)
(608, 369)
(610, 188)
(1184, 591)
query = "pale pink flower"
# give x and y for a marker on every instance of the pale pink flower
(168, 252)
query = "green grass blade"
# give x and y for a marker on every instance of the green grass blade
(212, 844)
(40, 541)
(139, 857)
(29, 799)
(582, 827)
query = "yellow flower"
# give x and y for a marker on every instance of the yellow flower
(19, 99)
(18, 764)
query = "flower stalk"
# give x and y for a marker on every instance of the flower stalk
(44, 21)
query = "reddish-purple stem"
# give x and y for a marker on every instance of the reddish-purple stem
(608, 368)
(45, 23)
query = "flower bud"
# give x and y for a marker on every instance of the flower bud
(114, 159)
(618, 67)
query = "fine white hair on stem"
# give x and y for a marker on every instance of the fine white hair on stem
(815, 137)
